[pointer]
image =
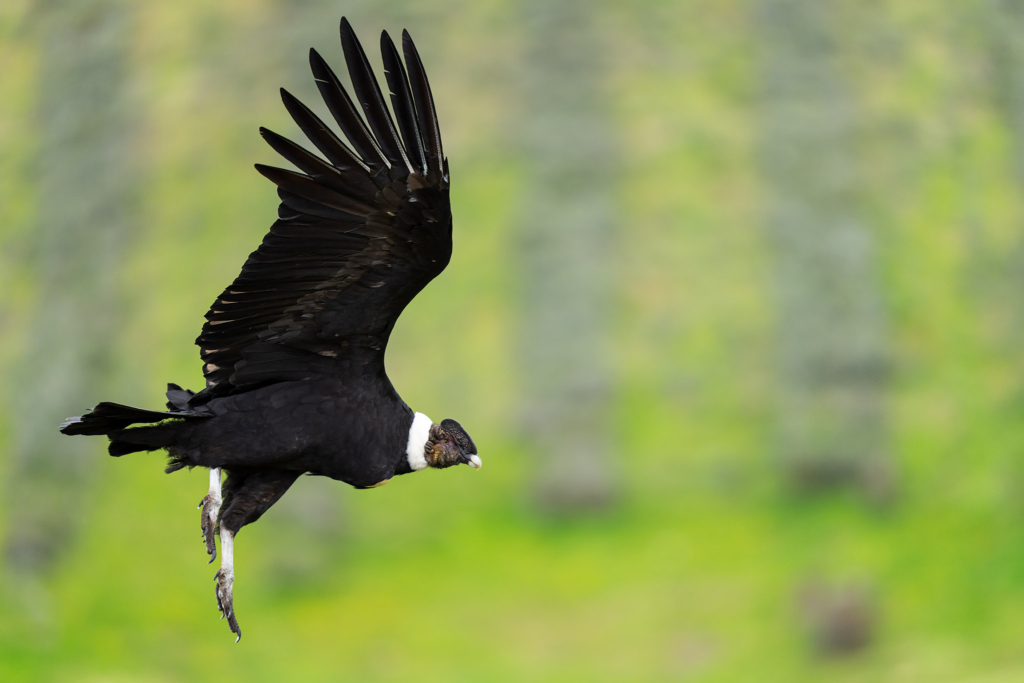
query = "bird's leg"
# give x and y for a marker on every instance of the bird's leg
(225, 581)
(247, 495)
(210, 506)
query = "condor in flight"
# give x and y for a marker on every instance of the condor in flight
(294, 347)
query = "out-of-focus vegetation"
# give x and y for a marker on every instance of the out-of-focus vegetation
(710, 564)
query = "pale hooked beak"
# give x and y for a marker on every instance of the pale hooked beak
(475, 462)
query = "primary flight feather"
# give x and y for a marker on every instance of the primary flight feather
(293, 349)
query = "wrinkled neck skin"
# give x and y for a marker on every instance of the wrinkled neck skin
(440, 451)
(435, 438)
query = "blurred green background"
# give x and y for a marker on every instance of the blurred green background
(733, 316)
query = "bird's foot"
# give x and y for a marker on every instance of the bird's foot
(225, 581)
(210, 506)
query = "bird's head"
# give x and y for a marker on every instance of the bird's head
(448, 445)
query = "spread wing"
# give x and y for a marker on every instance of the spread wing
(359, 233)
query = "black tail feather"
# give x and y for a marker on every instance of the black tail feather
(137, 439)
(113, 420)
(108, 417)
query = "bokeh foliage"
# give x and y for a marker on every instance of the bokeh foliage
(454, 576)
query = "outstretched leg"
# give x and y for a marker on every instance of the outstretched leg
(247, 496)
(225, 579)
(210, 506)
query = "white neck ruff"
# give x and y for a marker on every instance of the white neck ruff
(419, 432)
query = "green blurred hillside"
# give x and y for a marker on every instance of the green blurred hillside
(697, 571)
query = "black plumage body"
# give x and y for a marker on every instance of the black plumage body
(352, 431)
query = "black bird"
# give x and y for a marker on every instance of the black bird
(294, 347)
